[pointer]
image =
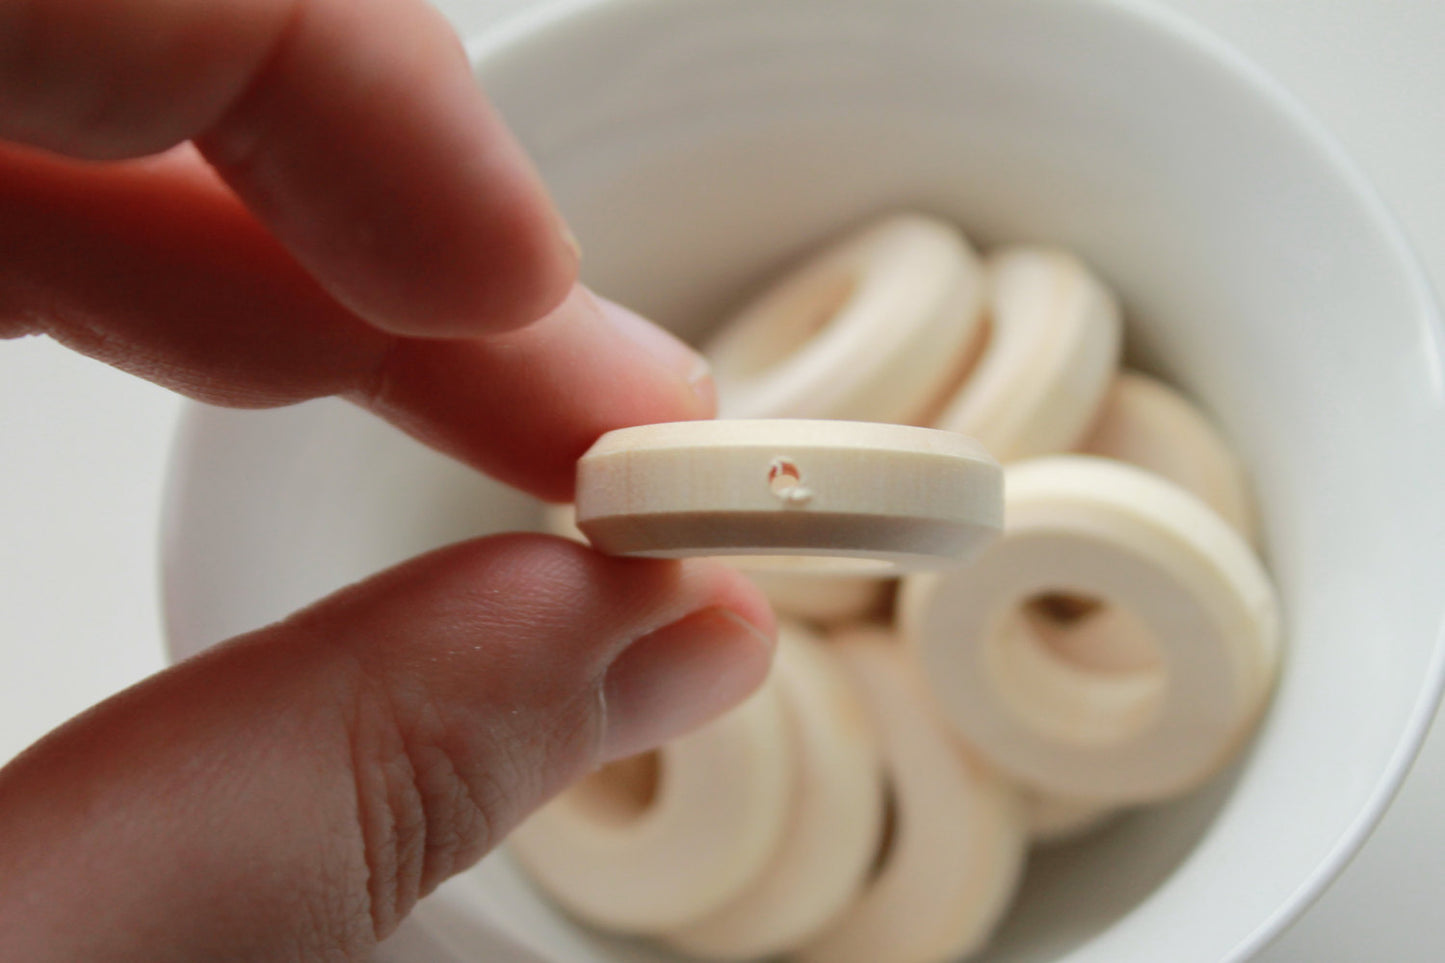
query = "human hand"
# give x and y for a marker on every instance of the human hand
(259, 201)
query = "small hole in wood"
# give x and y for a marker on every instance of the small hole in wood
(785, 480)
(783, 476)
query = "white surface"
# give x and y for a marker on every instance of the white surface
(81, 457)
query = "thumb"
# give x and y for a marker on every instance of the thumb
(291, 794)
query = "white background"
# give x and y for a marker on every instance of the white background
(83, 452)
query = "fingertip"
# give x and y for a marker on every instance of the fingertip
(665, 349)
(526, 405)
(739, 594)
(687, 673)
(487, 267)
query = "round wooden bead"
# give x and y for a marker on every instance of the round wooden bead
(835, 824)
(868, 330)
(1052, 350)
(860, 498)
(647, 854)
(954, 856)
(1142, 554)
(1149, 424)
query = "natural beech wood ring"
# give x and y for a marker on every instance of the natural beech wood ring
(1146, 423)
(868, 330)
(1052, 350)
(1109, 531)
(835, 824)
(720, 805)
(862, 498)
(957, 846)
(824, 599)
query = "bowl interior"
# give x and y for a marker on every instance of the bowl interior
(697, 146)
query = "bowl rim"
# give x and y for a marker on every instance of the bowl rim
(1171, 26)
(1174, 26)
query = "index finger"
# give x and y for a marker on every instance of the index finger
(153, 267)
(352, 128)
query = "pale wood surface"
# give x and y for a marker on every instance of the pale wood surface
(836, 822)
(1147, 423)
(721, 804)
(1116, 533)
(868, 329)
(958, 840)
(866, 493)
(1053, 347)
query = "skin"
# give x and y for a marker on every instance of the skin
(255, 202)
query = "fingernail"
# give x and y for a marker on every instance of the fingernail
(702, 384)
(679, 677)
(666, 348)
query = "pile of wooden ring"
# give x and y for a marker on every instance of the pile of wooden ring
(1113, 646)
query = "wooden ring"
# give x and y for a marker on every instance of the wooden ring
(861, 498)
(955, 856)
(677, 845)
(1052, 350)
(823, 599)
(835, 824)
(868, 330)
(1156, 560)
(1146, 423)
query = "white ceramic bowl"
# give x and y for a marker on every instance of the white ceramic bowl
(696, 146)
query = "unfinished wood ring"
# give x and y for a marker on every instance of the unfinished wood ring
(823, 599)
(1052, 350)
(860, 498)
(835, 824)
(1156, 559)
(956, 851)
(868, 330)
(1146, 423)
(650, 854)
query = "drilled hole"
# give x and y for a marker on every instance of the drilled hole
(784, 477)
